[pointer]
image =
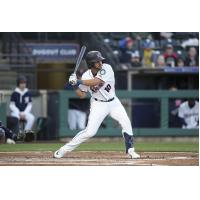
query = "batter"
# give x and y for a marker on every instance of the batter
(99, 81)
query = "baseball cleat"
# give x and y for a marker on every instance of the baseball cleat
(10, 141)
(59, 153)
(133, 154)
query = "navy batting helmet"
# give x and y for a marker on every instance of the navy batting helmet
(93, 57)
(21, 79)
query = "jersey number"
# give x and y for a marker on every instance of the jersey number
(107, 88)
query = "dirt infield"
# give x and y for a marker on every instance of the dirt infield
(100, 158)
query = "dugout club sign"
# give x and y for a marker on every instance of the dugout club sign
(54, 51)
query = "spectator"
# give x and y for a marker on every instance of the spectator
(148, 55)
(138, 38)
(135, 59)
(192, 58)
(180, 62)
(77, 113)
(170, 56)
(21, 104)
(189, 114)
(160, 61)
(126, 46)
(140, 35)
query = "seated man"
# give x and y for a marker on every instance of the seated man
(192, 58)
(21, 104)
(189, 114)
(170, 56)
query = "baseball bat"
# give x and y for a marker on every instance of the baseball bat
(80, 56)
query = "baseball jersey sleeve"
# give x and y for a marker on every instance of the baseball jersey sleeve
(181, 111)
(13, 97)
(84, 88)
(105, 74)
(29, 97)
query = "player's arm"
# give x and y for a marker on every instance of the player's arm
(92, 82)
(80, 94)
(88, 82)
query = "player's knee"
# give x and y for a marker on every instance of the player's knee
(31, 118)
(15, 115)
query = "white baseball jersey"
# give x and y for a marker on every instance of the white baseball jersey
(101, 92)
(98, 109)
(190, 115)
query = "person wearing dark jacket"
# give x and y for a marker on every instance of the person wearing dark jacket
(192, 58)
(21, 103)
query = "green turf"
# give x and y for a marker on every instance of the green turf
(106, 146)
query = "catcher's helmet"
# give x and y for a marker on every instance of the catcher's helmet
(93, 57)
(21, 79)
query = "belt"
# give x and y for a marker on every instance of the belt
(103, 100)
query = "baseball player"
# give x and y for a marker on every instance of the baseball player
(21, 103)
(189, 114)
(99, 81)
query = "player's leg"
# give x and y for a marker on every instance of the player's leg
(81, 116)
(98, 112)
(119, 114)
(15, 114)
(72, 119)
(13, 124)
(29, 121)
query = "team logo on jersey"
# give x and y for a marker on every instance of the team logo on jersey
(26, 99)
(102, 71)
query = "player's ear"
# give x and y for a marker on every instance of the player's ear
(97, 64)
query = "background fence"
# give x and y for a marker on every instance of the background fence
(111, 130)
(54, 105)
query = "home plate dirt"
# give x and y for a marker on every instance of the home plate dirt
(98, 158)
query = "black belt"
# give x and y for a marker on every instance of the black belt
(103, 100)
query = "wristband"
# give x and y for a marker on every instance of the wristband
(79, 82)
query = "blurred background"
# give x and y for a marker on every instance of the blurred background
(155, 73)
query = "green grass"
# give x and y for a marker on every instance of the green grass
(106, 146)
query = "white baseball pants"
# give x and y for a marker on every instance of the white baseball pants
(29, 119)
(76, 119)
(98, 112)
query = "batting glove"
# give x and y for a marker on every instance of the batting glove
(73, 79)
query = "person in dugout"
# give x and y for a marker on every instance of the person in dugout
(20, 106)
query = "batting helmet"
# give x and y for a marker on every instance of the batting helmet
(93, 57)
(21, 79)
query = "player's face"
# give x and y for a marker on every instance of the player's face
(191, 103)
(22, 85)
(98, 65)
(169, 50)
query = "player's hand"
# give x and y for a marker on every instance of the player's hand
(73, 79)
(22, 115)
